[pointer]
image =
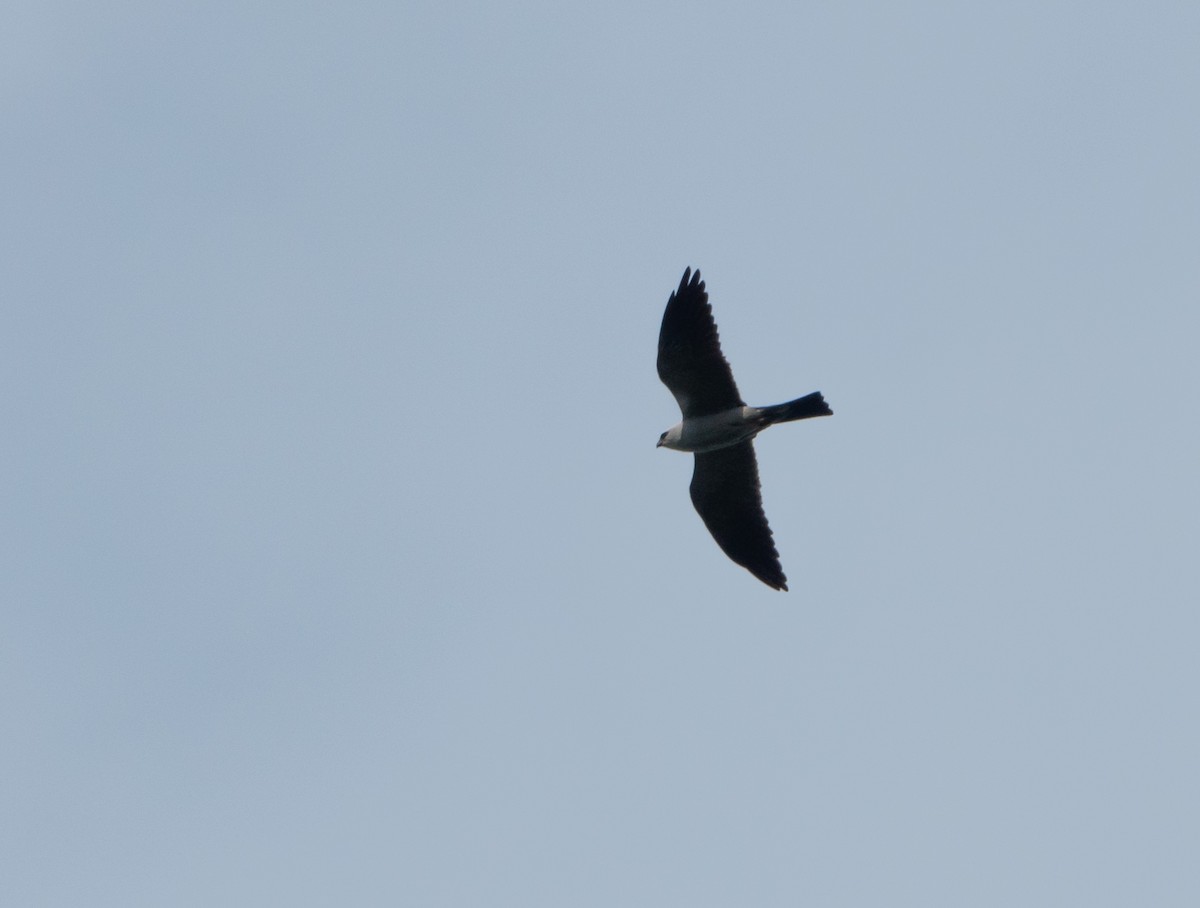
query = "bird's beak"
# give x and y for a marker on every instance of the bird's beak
(658, 444)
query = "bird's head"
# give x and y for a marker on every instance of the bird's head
(670, 438)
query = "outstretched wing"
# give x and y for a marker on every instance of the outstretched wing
(726, 494)
(690, 362)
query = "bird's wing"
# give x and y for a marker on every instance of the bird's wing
(725, 491)
(690, 362)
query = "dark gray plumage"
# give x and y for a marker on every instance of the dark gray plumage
(719, 429)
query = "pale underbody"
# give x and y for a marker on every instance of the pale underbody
(719, 430)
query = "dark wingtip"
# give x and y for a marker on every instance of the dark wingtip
(775, 580)
(689, 281)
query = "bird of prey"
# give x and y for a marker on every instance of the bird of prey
(719, 429)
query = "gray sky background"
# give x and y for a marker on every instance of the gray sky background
(338, 562)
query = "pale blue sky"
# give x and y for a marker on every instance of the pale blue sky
(339, 566)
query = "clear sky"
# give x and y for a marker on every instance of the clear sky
(338, 565)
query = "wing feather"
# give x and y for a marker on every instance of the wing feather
(726, 493)
(690, 362)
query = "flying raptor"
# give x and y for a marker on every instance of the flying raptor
(719, 429)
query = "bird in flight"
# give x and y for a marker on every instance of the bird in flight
(719, 429)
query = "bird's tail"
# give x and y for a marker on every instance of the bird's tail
(801, 408)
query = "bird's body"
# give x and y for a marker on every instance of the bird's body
(719, 428)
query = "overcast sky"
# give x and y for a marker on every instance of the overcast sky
(338, 565)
